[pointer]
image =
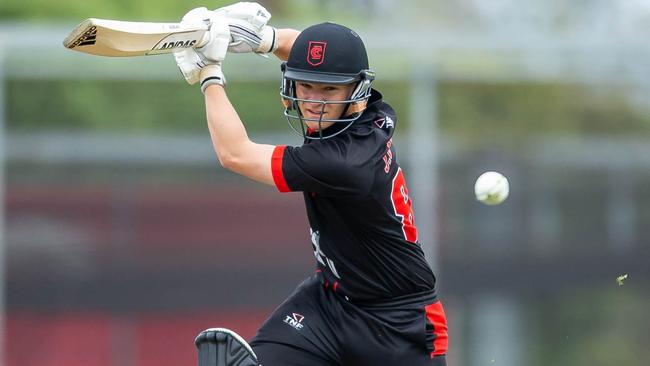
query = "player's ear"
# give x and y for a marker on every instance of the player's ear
(287, 90)
(286, 103)
(357, 107)
(361, 89)
(287, 93)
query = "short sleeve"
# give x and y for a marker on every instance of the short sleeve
(276, 169)
(328, 168)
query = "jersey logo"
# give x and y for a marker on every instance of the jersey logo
(388, 157)
(316, 52)
(384, 121)
(295, 321)
(320, 256)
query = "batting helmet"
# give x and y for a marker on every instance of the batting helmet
(326, 53)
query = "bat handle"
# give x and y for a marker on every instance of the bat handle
(204, 39)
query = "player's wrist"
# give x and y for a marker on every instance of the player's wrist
(269, 40)
(211, 75)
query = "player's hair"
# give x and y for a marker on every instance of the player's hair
(326, 53)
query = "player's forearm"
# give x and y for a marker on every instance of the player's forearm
(226, 129)
(286, 38)
(236, 152)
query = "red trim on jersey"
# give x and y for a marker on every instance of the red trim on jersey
(436, 315)
(336, 284)
(403, 206)
(276, 169)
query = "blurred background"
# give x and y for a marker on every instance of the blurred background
(121, 237)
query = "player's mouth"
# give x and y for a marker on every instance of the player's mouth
(311, 113)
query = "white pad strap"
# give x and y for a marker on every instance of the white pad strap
(211, 74)
(269, 41)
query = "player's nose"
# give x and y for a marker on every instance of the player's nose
(316, 92)
(314, 95)
(315, 106)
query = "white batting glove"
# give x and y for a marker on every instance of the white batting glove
(190, 64)
(218, 35)
(194, 69)
(248, 29)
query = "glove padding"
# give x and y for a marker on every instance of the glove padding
(238, 28)
(218, 35)
(204, 63)
(194, 69)
(190, 64)
(248, 29)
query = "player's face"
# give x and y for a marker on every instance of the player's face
(329, 92)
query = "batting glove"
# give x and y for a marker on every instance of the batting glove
(195, 69)
(218, 35)
(248, 29)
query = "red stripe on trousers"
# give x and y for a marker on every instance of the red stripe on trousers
(436, 315)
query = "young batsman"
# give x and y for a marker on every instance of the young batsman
(371, 300)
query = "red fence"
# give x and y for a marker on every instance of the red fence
(96, 339)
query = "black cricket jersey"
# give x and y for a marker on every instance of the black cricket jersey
(361, 217)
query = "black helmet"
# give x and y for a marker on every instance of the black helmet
(327, 53)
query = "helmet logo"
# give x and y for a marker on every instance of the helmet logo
(316, 53)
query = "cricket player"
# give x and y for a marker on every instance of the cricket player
(371, 300)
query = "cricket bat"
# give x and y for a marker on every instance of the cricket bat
(116, 38)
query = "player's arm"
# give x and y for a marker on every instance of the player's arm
(236, 152)
(234, 149)
(286, 38)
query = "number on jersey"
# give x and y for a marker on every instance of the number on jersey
(403, 207)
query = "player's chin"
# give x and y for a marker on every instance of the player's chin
(316, 126)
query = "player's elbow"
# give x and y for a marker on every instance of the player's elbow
(233, 157)
(249, 160)
(232, 162)
(228, 157)
(227, 161)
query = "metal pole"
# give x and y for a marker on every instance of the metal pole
(3, 158)
(497, 336)
(621, 211)
(423, 158)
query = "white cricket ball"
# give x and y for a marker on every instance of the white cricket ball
(491, 188)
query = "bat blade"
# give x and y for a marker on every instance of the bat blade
(116, 38)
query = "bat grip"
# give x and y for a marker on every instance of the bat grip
(204, 39)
